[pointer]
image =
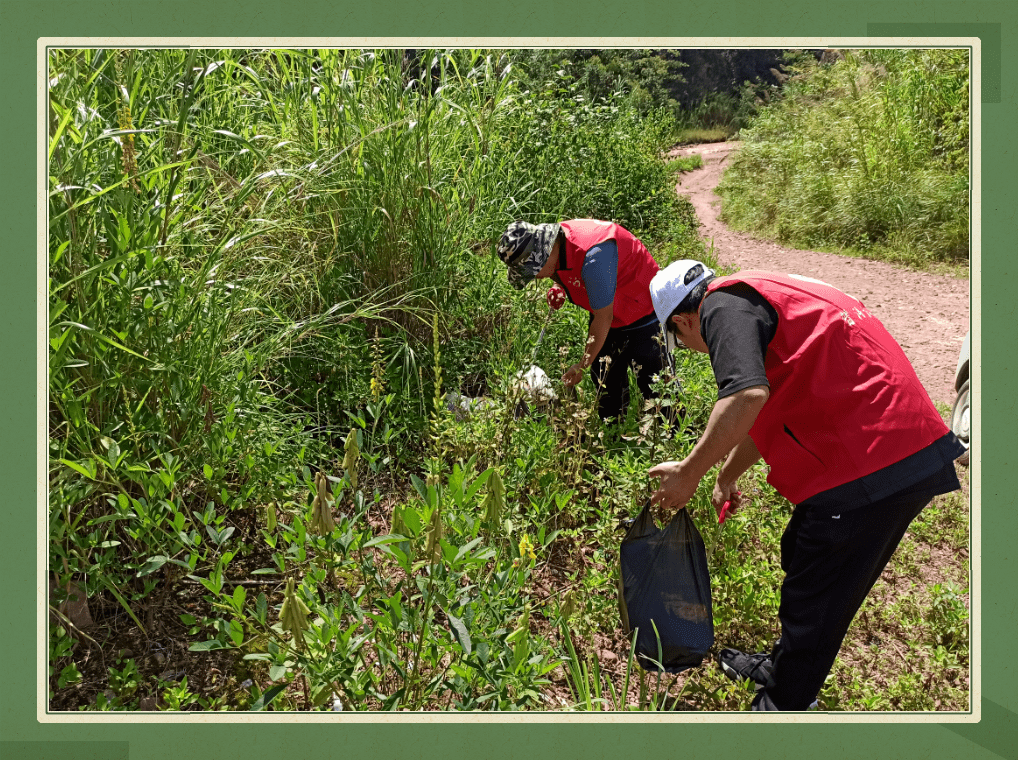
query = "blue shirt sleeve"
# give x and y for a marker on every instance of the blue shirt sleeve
(600, 271)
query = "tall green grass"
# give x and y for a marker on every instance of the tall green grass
(178, 282)
(251, 252)
(868, 153)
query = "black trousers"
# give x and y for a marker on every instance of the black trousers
(638, 348)
(831, 558)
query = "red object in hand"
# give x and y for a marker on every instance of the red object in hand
(556, 297)
(723, 514)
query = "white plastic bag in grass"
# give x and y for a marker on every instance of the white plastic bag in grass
(535, 384)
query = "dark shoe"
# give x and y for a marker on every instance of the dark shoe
(763, 703)
(740, 666)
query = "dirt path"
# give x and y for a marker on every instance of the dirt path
(927, 314)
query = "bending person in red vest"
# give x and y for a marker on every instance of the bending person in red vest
(603, 268)
(812, 383)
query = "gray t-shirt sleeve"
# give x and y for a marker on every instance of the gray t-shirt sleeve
(600, 272)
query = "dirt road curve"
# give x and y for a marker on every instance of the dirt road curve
(927, 314)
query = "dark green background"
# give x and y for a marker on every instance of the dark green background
(23, 22)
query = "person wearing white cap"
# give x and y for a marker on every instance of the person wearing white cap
(812, 383)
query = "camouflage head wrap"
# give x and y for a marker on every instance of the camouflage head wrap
(525, 248)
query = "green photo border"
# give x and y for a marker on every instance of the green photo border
(23, 22)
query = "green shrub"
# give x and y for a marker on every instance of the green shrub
(641, 77)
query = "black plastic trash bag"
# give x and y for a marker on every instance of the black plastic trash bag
(664, 583)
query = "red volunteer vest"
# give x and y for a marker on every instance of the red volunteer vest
(636, 268)
(844, 399)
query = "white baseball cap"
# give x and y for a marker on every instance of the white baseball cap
(668, 287)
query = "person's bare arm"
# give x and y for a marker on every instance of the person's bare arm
(596, 335)
(728, 426)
